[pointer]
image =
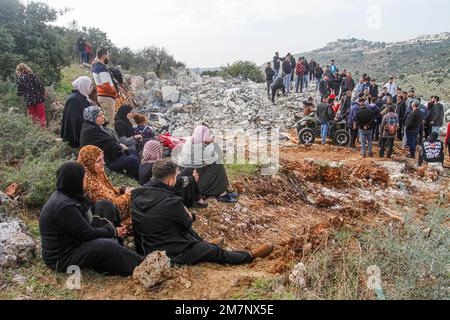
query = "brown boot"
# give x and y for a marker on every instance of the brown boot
(263, 251)
(218, 242)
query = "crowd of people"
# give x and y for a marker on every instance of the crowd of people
(87, 219)
(371, 114)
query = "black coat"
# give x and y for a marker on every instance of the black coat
(160, 221)
(437, 115)
(365, 118)
(92, 134)
(324, 87)
(414, 121)
(287, 67)
(122, 124)
(270, 73)
(72, 120)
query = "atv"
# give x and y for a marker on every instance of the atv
(308, 129)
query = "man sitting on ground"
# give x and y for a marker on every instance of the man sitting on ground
(161, 222)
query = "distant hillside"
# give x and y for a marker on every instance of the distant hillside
(422, 63)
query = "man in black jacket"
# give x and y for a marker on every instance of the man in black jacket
(270, 74)
(161, 222)
(276, 63)
(436, 115)
(278, 84)
(365, 120)
(412, 127)
(324, 87)
(75, 233)
(325, 115)
(432, 150)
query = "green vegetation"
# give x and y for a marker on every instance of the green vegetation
(245, 70)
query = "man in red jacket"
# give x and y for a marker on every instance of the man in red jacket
(300, 72)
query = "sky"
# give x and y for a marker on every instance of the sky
(212, 33)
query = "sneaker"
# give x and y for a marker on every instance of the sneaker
(226, 199)
(218, 242)
(263, 251)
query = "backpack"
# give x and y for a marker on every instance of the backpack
(391, 126)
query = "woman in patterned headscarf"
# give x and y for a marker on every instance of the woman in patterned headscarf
(98, 186)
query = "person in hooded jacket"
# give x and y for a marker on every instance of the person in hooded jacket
(118, 157)
(161, 222)
(76, 232)
(124, 129)
(72, 120)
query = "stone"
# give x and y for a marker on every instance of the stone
(153, 271)
(298, 276)
(170, 94)
(137, 83)
(4, 198)
(16, 245)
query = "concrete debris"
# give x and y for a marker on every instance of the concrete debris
(16, 246)
(188, 99)
(153, 271)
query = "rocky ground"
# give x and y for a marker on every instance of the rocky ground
(318, 191)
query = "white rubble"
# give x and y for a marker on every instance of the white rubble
(154, 270)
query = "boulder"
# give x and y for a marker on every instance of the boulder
(16, 245)
(153, 271)
(137, 84)
(170, 94)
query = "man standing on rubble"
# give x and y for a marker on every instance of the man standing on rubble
(106, 91)
(412, 128)
(436, 115)
(276, 63)
(287, 69)
(270, 74)
(277, 85)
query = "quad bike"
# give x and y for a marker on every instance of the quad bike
(308, 129)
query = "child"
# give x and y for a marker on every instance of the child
(143, 128)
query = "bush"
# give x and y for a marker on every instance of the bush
(21, 138)
(245, 70)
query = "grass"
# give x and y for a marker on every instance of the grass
(69, 74)
(239, 170)
(265, 289)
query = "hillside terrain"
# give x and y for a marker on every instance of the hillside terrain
(422, 63)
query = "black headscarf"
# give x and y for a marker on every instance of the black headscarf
(69, 179)
(122, 124)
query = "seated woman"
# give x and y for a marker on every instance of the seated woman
(73, 111)
(186, 187)
(199, 154)
(161, 222)
(73, 232)
(118, 157)
(124, 128)
(98, 187)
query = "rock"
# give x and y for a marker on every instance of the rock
(298, 276)
(154, 271)
(170, 94)
(151, 76)
(4, 198)
(137, 83)
(15, 245)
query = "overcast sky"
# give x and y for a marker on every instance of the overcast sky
(211, 33)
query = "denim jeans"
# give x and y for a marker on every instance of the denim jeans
(366, 137)
(276, 72)
(435, 129)
(299, 84)
(305, 81)
(324, 132)
(317, 83)
(287, 83)
(411, 138)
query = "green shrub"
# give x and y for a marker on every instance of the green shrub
(21, 138)
(245, 70)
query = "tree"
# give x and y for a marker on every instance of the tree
(245, 70)
(26, 36)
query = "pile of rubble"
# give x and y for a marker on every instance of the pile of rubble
(188, 99)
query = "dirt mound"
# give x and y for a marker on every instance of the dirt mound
(309, 240)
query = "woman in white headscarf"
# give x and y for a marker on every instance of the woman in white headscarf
(73, 111)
